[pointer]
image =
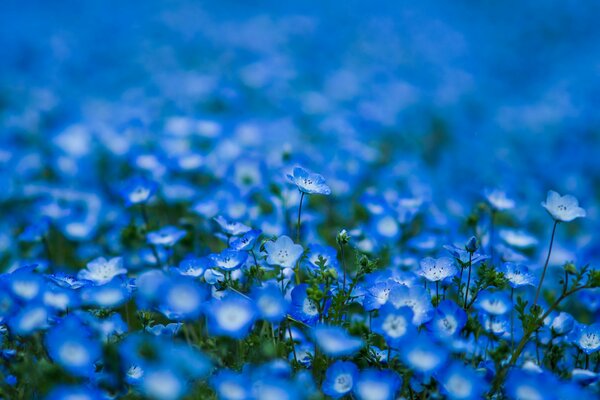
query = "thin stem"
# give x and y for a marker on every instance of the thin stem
(289, 326)
(297, 268)
(493, 215)
(343, 264)
(512, 319)
(468, 279)
(299, 214)
(539, 288)
(437, 293)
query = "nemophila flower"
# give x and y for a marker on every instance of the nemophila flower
(378, 294)
(162, 383)
(423, 355)
(232, 316)
(518, 238)
(72, 346)
(213, 276)
(303, 308)
(75, 392)
(417, 298)
(527, 385)
(29, 319)
(462, 255)
(182, 299)
(138, 191)
(498, 200)
(449, 319)
(394, 324)
(101, 271)
(59, 298)
(517, 274)
(66, 280)
(339, 379)
(562, 323)
(335, 341)
(309, 182)
(584, 376)
(25, 285)
(373, 384)
(283, 252)
(318, 252)
(494, 303)
(563, 208)
(435, 270)
(230, 385)
(228, 259)
(193, 267)
(109, 295)
(167, 236)
(232, 228)
(304, 354)
(498, 325)
(587, 338)
(171, 329)
(459, 382)
(385, 227)
(276, 389)
(270, 303)
(246, 241)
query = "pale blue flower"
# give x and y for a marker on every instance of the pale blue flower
(283, 252)
(563, 208)
(308, 182)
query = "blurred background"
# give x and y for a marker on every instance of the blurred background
(431, 99)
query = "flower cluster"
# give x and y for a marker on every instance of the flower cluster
(276, 210)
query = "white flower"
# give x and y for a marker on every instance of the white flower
(283, 252)
(498, 200)
(563, 208)
(101, 271)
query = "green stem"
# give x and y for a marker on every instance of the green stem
(468, 279)
(539, 288)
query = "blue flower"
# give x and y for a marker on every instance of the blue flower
(494, 303)
(167, 236)
(499, 200)
(171, 329)
(378, 294)
(521, 384)
(270, 303)
(449, 319)
(308, 182)
(435, 270)
(79, 392)
(29, 319)
(563, 208)
(587, 338)
(562, 324)
(230, 385)
(193, 267)
(303, 308)
(459, 382)
(517, 274)
(246, 241)
(339, 379)
(231, 228)
(138, 191)
(283, 252)
(71, 345)
(229, 259)
(373, 384)
(162, 383)
(232, 316)
(335, 341)
(101, 271)
(417, 298)
(326, 253)
(182, 299)
(422, 355)
(394, 324)
(109, 295)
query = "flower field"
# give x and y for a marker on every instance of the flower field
(275, 201)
